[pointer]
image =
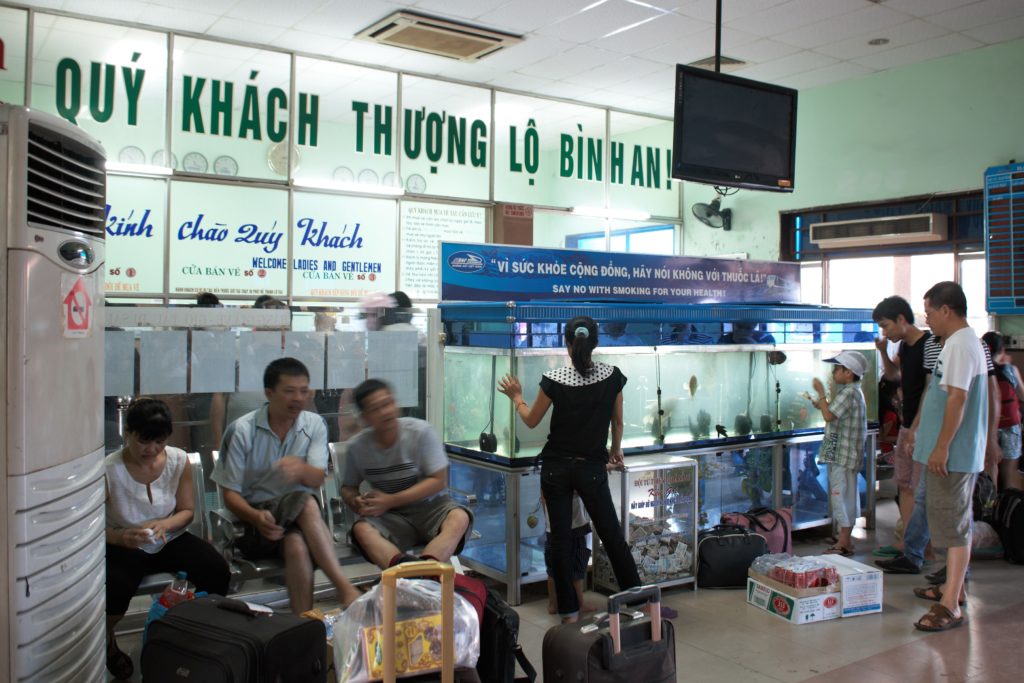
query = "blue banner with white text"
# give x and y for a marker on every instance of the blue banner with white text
(495, 272)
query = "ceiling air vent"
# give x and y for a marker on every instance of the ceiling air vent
(437, 36)
(728, 64)
(921, 227)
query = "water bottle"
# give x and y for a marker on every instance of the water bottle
(176, 592)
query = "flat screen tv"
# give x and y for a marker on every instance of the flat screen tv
(733, 131)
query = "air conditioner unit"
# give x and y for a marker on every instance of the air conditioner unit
(437, 36)
(919, 227)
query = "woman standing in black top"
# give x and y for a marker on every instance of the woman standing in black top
(587, 397)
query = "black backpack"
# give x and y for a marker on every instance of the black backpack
(1009, 523)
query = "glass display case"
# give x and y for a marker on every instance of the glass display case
(507, 543)
(689, 383)
(721, 384)
(656, 501)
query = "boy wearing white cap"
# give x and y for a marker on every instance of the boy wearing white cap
(843, 445)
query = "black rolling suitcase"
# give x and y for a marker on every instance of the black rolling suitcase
(613, 650)
(219, 640)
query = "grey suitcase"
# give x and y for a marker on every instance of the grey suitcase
(613, 649)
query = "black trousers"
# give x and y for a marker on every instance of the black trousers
(126, 567)
(559, 478)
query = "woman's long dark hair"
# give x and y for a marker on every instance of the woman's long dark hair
(581, 338)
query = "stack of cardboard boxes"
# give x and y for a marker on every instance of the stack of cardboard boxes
(859, 591)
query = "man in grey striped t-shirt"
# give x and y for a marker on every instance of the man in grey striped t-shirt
(403, 463)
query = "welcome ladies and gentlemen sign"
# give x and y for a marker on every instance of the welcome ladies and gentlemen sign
(486, 272)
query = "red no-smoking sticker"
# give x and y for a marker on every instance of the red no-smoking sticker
(76, 294)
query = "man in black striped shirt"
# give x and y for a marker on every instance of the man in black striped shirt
(403, 463)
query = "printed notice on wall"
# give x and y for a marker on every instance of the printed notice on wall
(424, 226)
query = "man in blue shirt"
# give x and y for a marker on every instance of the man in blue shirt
(272, 460)
(951, 444)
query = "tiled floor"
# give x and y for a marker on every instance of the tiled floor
(720, 638)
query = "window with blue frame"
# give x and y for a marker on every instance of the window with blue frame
(647, 239)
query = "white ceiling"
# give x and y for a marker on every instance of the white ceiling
(618, 53)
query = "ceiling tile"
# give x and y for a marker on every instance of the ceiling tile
(907, 33)
(705, 9)
(978, 14)
(520, 82)
(457, 9)
(999, 32)
(697, 46)
(560, 89)
(793, 14)
(205, 6)
(175, 20)
(926, 8)
(523, 16)
(828, 74)
(244, 31)
(576, 60)
(786, 66)
(763, 50)
(474, 72)
(653, 84)
(311, 43)
(123, 10)
(345, 19)
(598, 21)
(920, 52)
(283, 14)
(614, 73)
(866, 20)
(663, 29)
(530, 51)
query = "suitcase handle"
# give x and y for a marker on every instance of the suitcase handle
(389, 582)
(638, 594)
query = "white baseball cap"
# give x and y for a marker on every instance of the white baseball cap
(851, 360)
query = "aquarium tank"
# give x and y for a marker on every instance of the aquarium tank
(697, 375)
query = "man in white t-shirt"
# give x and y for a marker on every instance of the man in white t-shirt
(951, 438)
(404, 463)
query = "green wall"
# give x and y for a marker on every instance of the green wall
(934, 126)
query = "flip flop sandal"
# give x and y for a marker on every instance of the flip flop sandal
(938, 618)
(933, 593)
(885, 551)
(839, 550)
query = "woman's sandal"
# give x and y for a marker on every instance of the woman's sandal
(118, 663)
(839, 550)
(933, 593)
(938, 618)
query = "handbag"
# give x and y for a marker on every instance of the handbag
(725, 553)
(775, 525)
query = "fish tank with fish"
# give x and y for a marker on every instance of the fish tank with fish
(696, 374)
(723, 384)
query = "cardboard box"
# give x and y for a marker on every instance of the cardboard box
(795, 605)
(860, 585)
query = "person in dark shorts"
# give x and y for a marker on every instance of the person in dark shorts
(272, 460)
(402, 461)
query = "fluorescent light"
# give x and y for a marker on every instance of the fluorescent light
(142, 169)
(313, 183)
(598, 212)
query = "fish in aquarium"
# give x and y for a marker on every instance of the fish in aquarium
(693, 385)
(720, 430)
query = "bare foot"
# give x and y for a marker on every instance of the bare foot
(552, 608)
(350, 596)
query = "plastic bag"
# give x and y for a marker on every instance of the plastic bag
(418, 646)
